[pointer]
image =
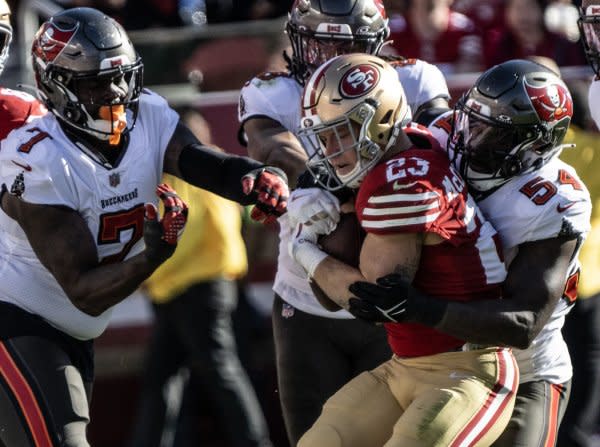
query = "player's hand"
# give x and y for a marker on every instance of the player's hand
(161, 236)
(384, 302)
(304, 250)
(314, 207)
(268, 187)
(393, 300)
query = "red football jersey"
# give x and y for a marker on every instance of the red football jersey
(418, 191)
(16, 109)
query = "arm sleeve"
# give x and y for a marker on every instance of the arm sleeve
(217, 172)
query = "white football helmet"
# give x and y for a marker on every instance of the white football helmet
(358, 89)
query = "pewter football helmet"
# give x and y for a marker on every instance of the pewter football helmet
(321, 29)
(81, 51)
(512, 121)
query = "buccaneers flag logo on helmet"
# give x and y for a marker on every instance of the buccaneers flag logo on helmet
(51, 41)
(552, 102)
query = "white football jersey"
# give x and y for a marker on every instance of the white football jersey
(531, 207)
(41, 165)
(278, 96)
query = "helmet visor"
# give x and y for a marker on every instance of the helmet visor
(316, 51)
(485, 143)
(117, 86)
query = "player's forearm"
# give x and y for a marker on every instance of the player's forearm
(492, 322)
(103, 286)
(290, 158)
(216, 172)
(334, 278)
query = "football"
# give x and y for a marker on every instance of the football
(344, 243)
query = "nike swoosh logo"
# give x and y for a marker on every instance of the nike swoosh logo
(299, 196)
(24, 166)
(397, 185)
(562, 209)
(456, 375)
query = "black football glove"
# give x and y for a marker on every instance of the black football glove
(268, 188)
(393, 300)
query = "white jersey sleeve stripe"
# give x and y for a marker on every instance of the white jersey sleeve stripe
(409, 221)
(418, 197)
(400, 210)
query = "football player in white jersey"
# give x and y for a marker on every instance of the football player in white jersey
(504, 137)
(306, 335)
(589, 25)
(79, 229)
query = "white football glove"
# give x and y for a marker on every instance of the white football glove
(314, 207)
(304, 250)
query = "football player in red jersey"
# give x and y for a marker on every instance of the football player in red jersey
(505, 137)
(16, 107)
(79, 228)
(305, 334)
(422, 225)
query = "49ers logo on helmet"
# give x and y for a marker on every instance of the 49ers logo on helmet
(359, 80)
(51, 40)
(552, 102)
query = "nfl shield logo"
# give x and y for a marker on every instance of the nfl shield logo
(114, 179)
(287, 311)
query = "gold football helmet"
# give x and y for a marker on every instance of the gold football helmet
(352, 88)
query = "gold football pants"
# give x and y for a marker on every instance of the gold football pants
(453, 399)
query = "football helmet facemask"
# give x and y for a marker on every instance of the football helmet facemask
(321, 29)
(589, 28)
(6, 33)
(357, 96)
(88, 73)
(512, 121)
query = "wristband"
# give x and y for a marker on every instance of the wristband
(309, 256)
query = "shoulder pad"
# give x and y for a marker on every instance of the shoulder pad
(420, 136)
